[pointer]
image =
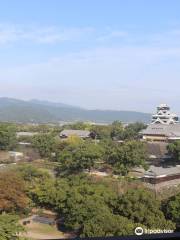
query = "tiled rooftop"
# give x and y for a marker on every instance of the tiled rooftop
(162, 171)
(171, 130)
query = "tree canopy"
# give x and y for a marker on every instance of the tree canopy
(45, 143)
(173, 209)
(82, 202)
(10, 227)
(94, 209)
(141, 206)
(12, 192)
(7, 136)
(76, 158)
(89, 205)
(174, 149)
(125, 156)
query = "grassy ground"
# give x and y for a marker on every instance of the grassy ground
(42, 231)
(39, 231)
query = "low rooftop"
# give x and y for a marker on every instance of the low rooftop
(29, 134)
(162, 171)
(172, 130)
(79, 133)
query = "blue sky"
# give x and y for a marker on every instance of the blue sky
(105, 54)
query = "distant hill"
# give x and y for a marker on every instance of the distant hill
(14, 110)
(52, 104)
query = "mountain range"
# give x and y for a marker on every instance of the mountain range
(37, 111)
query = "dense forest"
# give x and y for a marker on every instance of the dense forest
(87, 205)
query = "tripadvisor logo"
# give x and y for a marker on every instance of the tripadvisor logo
(140, 231)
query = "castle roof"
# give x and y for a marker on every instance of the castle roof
(171, 130)
(162, 171)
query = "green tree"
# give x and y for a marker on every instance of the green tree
(105, 224)
(7, 137)
(102, 132)
(85, 201)
(76, 198)
(174, 149)
(141, 206)
(125, 156)
(133, 129)
(78, 126)
(45, 144)
(37, 181)
(173, 209)
(31, 174)
(137, 126)
(12, 192)
(117, 131)
(75, 159)
(94, 209)
(74, 140)
(44, 193)
(9, 227)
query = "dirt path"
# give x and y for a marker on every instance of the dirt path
(39, 231)
(40, 236)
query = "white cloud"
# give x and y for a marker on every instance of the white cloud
(16, 33)
(114, 78)
(10, 33)
(131, 76)
(112, 35)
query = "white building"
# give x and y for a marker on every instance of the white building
(164, 126)
(164, 116)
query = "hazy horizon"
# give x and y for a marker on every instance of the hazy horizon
(79, 106)
(117, 55)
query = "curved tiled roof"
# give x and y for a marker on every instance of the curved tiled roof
(172, 130)
(162, 171)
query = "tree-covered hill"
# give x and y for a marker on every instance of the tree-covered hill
(13, 110)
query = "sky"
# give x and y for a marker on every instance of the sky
(97, 54)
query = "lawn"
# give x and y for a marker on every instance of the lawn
(42, 231)
(42, 228)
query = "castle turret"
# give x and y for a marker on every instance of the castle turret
(164, 116)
